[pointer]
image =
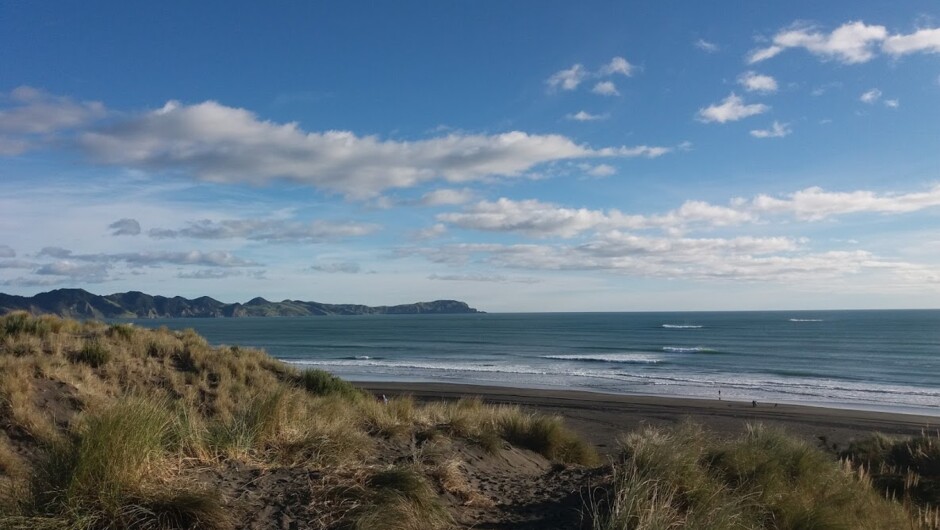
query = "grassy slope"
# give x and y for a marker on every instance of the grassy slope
(117, 427)
(113, 426)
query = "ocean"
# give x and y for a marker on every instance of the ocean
(872, 360)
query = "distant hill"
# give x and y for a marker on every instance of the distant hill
(79, 303)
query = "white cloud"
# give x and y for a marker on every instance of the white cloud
(541, 219)
(852, 42)
(34, 111)
(445, 196)
(815, 203)
(924, 40)
(125, 227)
(568, 79)
(732, 108)
(777, 130)
(230, 145)
(586, 116)
(706, 46)
(754, 82)
(606, 88)
(602, 170)
(870, 96)
(617, 65)
(32, 115)
(271, 230)
(892, 103)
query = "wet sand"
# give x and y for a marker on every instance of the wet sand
(601, 418)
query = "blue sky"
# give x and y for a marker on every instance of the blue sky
(520, 156)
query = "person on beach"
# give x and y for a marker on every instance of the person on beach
(719, 394)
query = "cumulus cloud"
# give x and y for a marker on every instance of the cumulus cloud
(568, 79)
(754, 82)
(7, 252)
(816, 203)
(601, 170)
(230, 145)
(892, 103)
(850, 43)
(776, 130)
(86, 272)
(446, 196)
(270, 230)
(586, 116)
(617, 65)
(706, 46)
(606, 88)
(571, 78)
(853, 42)
(870, 96)
(732, 108)
(125, 227)
(541, 219)
(33, 111)
(17, 264)
(925, 40)
(346, 267)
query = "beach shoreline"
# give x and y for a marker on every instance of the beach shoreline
(601, 418)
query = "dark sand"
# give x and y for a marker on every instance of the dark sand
(601, 418)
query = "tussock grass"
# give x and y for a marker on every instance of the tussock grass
(907, 469)
(322, 383)
(684, 478)
(401, 499)
(548, 436)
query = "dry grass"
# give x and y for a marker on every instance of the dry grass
(105, 456)
(684, 478)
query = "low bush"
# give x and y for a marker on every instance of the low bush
(94, 353)
(323, 383)
(546, 435)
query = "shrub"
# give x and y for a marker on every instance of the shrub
(94, 353)
(323, 383)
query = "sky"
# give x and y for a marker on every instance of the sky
(519, 156)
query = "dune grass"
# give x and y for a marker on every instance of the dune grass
(119, 416)
(684, 478)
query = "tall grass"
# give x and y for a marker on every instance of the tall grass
(686, 478)
(107, 475)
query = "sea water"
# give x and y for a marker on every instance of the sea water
(878, 360)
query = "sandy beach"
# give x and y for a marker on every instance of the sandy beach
(601, 418)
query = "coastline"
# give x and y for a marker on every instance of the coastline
(602, 418)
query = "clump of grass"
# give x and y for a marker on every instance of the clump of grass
(548, 436)
(94, 353)
(123, 331)
(401, 499)
(903, 468)
(323, 383)
(686, 478)
(23, 323)
(106, 475)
